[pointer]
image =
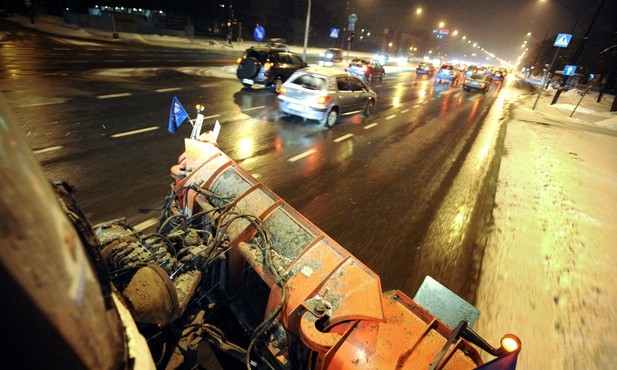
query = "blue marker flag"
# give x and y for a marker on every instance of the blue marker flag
(177, 115)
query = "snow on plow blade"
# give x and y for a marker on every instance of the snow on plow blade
(316, 291)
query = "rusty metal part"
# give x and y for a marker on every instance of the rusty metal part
(152, 297)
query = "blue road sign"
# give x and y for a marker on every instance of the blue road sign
(569, 70)
(562, 40)
(259, 33)
(334, 33)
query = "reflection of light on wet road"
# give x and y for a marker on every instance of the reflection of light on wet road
(449, 228)
(245, 147)
(474, 111)
(396, 101)
(346, 150)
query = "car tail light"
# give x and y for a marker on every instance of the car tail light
(282, 91)
(239, 60)
(467, 81)
(267, 66)
(365, 68)
(323, 99)
(483, 84)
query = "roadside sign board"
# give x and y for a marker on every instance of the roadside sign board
(353, 18)
(569, 70)
(259, 33)
(562, 40)
(334, 33)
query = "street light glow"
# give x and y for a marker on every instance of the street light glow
(419, 11)
(441, 24)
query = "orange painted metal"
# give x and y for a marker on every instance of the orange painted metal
(360, 327)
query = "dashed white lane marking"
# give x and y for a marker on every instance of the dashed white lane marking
(134, 132)
(168, 89)
(110, 96)
(370, 126)
(405, 111)
(254, 108)
(212, 116)
(417, 105)
(146, 224)
(390, 117)
(50, 149)
(300, 156)
(344, 137)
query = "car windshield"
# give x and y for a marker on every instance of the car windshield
(310, 82)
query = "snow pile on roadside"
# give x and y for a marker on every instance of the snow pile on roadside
(547, 274)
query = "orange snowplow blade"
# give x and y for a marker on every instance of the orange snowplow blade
(333, 302)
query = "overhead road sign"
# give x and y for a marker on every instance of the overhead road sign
(562, 40)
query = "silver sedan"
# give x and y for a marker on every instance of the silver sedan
(324, 94)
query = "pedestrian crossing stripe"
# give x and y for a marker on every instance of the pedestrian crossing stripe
(562, 40)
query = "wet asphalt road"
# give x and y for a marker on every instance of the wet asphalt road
(96, 116)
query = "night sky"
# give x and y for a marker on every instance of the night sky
(500, 26)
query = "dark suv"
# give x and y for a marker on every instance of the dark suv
(268, 66)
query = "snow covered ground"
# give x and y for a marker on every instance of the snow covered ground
(549, 270)
(548, 273)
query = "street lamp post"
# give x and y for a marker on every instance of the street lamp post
(580, 48)
(306, 29)
(418, 11)
(571, 11)
(535, 59)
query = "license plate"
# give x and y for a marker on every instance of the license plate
(296, 107)
(247, 81)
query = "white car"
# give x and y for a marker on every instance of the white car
(325, 94)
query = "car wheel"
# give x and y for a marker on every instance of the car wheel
(331, 118)
(276, 85)
(370, 107)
